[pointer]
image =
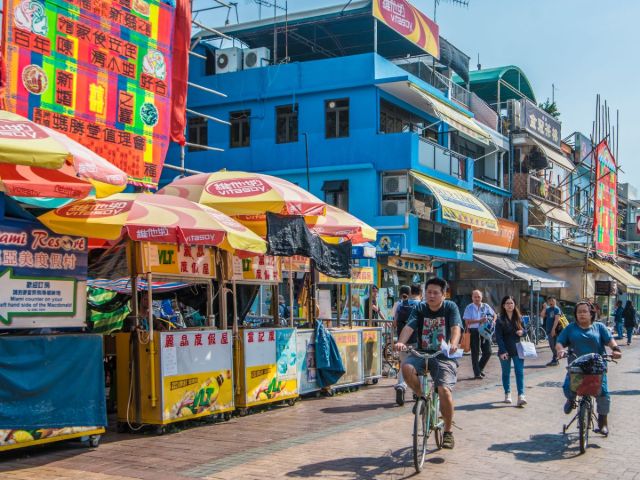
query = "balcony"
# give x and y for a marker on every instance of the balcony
(526, 186)
(426, 73)
(441, 236)
(439, 158)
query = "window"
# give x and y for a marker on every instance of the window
(337, 118)
(197, 128)
(287, 124)
(466, 147)
(336, 193)
(394, 119)
(240, 128)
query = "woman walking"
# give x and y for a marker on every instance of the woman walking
(509, 330)
(629, 316)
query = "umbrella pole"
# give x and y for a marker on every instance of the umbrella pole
(291, 323)
(350, 306)
(210, 318)
(152, 345)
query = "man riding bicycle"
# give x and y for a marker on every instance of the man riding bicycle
(435, 320)
(582, 337)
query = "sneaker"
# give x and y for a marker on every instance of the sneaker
(522, 401)
(482, 374)
(507, 398)
(400, 396)
(568, 406)
(553, 363)
(447, 440)
(478, 377)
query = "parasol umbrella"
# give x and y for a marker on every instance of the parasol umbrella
(340, 224)
(152, 218)
(23, 181)
(244, 194)
(23, 142)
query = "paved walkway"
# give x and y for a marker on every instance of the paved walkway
(363, 435)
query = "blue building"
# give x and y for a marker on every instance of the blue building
(362, 118)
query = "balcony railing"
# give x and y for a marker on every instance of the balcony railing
(441, 236)
(435, 156)
(426, 72)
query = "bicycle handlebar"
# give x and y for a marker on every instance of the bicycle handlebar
(426, 356)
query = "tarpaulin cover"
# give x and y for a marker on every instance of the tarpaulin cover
(455, 59)
(51, 381)
(329, 366)
(289, 235)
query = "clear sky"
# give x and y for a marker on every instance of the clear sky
(584, 47)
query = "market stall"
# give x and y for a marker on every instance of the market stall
(52, 384)
(265, 357)
(175, 375)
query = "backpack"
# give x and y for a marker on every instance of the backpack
(562, 323)
(403, 310)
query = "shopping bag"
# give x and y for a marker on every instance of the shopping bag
(465, 342)
(526, 349)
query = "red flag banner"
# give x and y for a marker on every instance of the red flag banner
(98, 71)
(181, 45)
(605, 222)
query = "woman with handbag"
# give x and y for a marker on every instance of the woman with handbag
(509, 331)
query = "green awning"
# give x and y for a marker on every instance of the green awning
(512, 80)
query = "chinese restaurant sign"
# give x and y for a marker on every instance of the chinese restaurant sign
(98, 71)
(411, 23)
(541, 124)
(42, 277)
(605, 222)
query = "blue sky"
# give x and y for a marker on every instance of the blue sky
(578, 45)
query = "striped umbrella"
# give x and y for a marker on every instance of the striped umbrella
(152, 218)
(340, 224)
(23, 181)
(25, 143)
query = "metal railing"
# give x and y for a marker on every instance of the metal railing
(541, 189)
(441, 236)
(426, 73)
(435, 156)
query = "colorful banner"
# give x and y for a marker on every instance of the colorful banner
(98, 71)
(196, 373)
(411, 23)
(413, 265)
(506, 240)
(261, 269)
(349, 344)
(306, 358)
(178, 260)
(359, 276)
(605, 223)
(270, 357)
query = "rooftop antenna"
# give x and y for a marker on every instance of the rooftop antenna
(459, 3)
(479, 64)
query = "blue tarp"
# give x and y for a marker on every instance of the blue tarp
(329, 366)
(51, 381)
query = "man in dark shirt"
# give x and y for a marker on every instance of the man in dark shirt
(435, 320)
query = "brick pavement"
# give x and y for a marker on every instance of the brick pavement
(363, 435)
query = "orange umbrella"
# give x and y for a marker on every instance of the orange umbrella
(22, 181)
(340, 224)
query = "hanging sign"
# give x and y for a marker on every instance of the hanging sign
(97, 71)
(178, 260)
(605, 224)
(262, 268)
(359, 276)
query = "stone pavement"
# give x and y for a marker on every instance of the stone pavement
(363, 435)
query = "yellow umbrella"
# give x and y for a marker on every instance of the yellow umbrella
(246, 194)
(340, 224)
(153, 218)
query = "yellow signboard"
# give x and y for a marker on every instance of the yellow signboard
(196, 395)
(177, 260)
(359, 276)
(264, 385)
(262, 268)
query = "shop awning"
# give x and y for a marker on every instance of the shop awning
(546, 254)
(554, 213)
(630, 283)
(516, 270)
(459, 205)
(459, 121)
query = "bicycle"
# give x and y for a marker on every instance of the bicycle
(427, 417)
(587, 386)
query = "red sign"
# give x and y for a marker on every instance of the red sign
(238, 187)
(605, 222)
(409, 22)
(95, 209)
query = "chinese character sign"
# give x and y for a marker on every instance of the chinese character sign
(409, 22)
(605, 223)
(541, 124)
(98, 71)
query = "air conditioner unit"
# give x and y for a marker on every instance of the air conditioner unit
(395, 184)
(256, 57)
(394, 207)
(228, 60)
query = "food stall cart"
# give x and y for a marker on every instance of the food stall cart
(265, 357)
(52, 385)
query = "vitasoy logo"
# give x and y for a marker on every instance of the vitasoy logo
(238, 187)
(95, 209)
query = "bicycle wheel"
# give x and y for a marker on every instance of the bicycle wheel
(542, 334)
(584, 421)
(437, 421)
(420, 433)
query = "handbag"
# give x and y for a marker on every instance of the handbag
(465, 341)
(526, 349)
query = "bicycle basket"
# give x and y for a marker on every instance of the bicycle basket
(585, 384)
(591, 363)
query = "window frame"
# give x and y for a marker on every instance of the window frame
(200, 125)
(337, 111)
(291, 115)
(338, 189)
(240, 119)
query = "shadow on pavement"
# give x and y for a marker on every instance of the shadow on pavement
(541, 448)
(360, 407)
(398, 465)
(625, 392)
(483, 406)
